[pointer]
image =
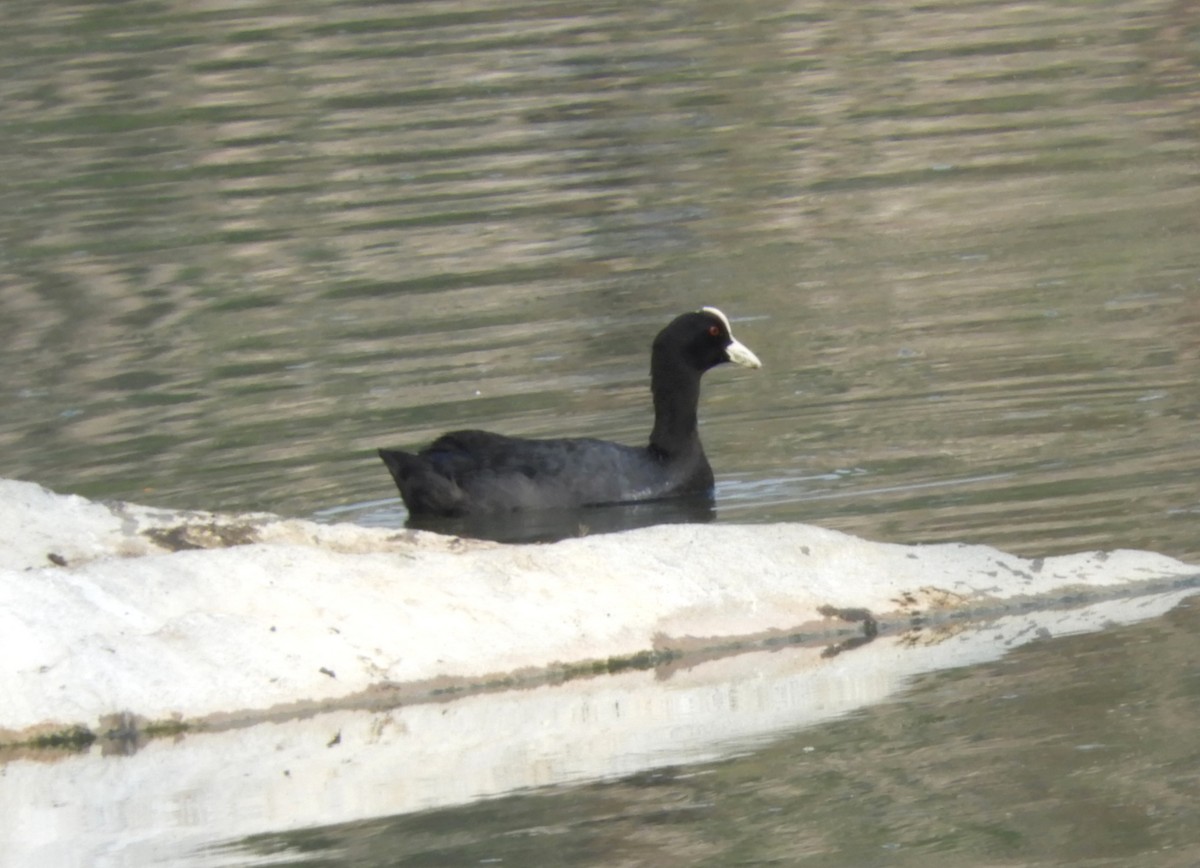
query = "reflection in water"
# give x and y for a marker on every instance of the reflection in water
(242, 244)
(1065, 751)
(550, 525)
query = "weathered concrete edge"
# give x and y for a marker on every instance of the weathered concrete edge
(842, 630)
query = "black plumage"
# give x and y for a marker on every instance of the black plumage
(477, 472)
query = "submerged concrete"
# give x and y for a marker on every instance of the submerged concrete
(118, 615)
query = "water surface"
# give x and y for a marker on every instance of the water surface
(1072, 751)
(243, 244)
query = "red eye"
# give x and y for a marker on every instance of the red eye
(714, 330)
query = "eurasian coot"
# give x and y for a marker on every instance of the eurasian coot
(474, 472)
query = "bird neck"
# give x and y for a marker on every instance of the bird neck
(676, 393)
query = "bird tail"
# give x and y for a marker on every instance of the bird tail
(424, 490)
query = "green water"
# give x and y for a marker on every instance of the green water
(1076, 751)
(243, 244)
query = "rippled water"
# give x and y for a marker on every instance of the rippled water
(1077, 751)
(243, 244)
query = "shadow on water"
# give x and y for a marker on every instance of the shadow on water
(551, 525)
